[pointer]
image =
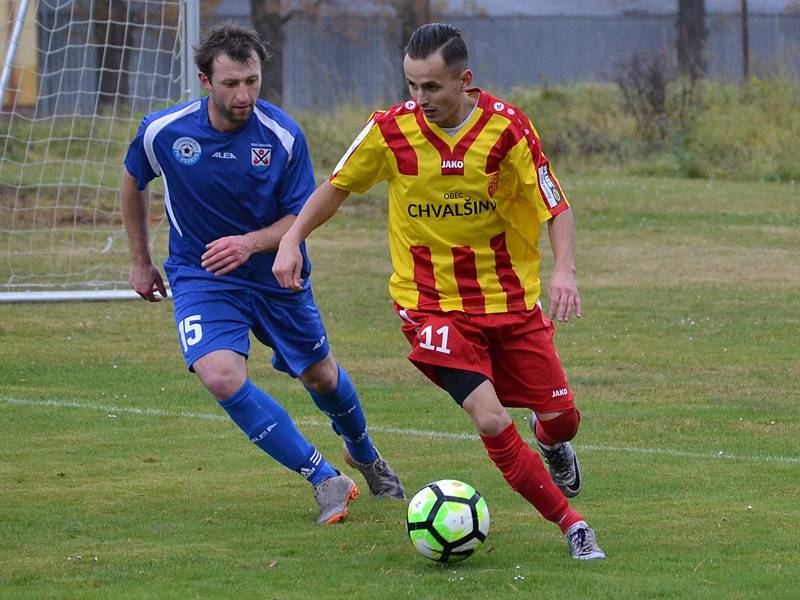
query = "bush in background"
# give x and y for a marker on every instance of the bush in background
(702, 129)
(696, 129)
(330, 134)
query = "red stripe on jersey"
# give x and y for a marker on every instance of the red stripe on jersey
(425, 279)
(438, 143)
(507, 140)
(465, 142)
(395, 139)
(466, 271)
(452, 160)
(509, 281)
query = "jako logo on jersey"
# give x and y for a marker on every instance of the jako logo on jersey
(559, 393)
(186, 150)
(452, 164)
(319, 343)
(228, 155)
(260, 156)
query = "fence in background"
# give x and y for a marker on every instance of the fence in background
(359, 59)
(339, 60)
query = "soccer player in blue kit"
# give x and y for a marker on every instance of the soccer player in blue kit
(236, 172)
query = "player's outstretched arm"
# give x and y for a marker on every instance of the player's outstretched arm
(144, 276)
(564, 296)
(320, 206)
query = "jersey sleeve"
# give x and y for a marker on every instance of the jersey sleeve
(534, 173)
(136, 161)
(363, 165)
(297, 181)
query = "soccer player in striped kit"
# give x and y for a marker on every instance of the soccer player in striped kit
(469, 187)
(236, 172)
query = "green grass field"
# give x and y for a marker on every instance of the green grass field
(121, 478)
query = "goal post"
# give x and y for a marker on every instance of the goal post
(80, 76)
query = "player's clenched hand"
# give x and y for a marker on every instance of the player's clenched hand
(145, 279)
(226, 254)
(287, 265)
(564, 297)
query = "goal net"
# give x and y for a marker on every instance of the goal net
(77, 78)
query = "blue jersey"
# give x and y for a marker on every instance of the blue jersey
(218, 184)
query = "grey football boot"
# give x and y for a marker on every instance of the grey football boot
(582, 542)
(562, 462)
(333, 495)
(383, 482)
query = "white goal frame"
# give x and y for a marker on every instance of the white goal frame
(64, 129)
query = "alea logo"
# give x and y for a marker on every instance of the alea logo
(264, 433)
(227, 155)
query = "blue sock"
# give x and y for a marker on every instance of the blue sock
(271, 428)
(347, 417)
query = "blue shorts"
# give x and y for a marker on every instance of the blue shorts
(222, 320)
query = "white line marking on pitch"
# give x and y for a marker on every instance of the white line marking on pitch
(157, 412)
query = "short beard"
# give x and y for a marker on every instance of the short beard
(229, 115)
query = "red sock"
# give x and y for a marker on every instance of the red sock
(561, 429)
(569, 519)
(527, 475)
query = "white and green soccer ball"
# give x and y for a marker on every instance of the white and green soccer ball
(447, 520)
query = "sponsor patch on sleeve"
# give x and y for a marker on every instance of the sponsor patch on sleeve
(549, 187)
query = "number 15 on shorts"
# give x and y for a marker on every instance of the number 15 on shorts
(191, 332)
(439, 337)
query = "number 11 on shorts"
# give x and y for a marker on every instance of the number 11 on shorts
(427, 334)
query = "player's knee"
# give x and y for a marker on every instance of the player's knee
(321, 377)
(222, 383)
(491, 423)
(223, 372)
(563, 427)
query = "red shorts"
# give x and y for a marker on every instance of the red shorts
(514, 350)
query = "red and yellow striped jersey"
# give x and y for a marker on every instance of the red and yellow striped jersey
(464, 211)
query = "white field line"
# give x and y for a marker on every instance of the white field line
(113, 410)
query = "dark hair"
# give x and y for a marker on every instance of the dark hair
(431, 37)
(238, 42)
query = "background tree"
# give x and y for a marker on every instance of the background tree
(109, 40)
(270, 18)
(745, 44)
(411, 14)
(691, 37)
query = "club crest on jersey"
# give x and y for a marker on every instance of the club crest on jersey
(186, 150)
(260, 156)
(494, 181)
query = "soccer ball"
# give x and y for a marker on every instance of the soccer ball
(447, 520)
